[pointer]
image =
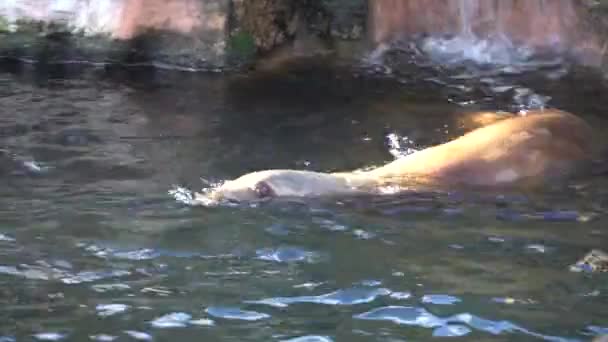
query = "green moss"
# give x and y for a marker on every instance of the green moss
(241, 45)
(4, 24)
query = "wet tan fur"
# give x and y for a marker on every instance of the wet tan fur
(523, 149)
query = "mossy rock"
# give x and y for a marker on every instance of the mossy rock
(241, 46)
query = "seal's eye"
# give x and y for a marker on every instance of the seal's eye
(263, 190)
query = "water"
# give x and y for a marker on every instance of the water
(95, 248)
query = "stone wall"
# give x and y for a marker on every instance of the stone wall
(186, 33)
(204, 34)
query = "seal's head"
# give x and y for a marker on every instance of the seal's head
(250, 187)
(264, 185)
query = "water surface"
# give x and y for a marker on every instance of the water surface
(93, 247)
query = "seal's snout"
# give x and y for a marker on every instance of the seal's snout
(263, 190)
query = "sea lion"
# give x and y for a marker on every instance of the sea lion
(520, 150)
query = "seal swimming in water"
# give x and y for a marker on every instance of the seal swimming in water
(521, 150)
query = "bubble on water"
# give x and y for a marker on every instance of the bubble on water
(451, 331)
(309, 338)
(287, 254)
(440, 299)
(353, 296)
(106, 310)
(49, 336)
(404, 315)
(172, 320)
(236, 314)
(138, 335)
(103, 338)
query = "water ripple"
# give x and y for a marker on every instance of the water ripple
(172, 320)
(101, 288)
(346, 297)
(139, 335)
(6, 238)
(138, 254)
(91, 276)
(403, 315)
(236, 314)
(451, 331)
(440, 299)
(598, 330)
(401, 295)
(105, 310)
(103, 338)
(416, 316)
(310, 338)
